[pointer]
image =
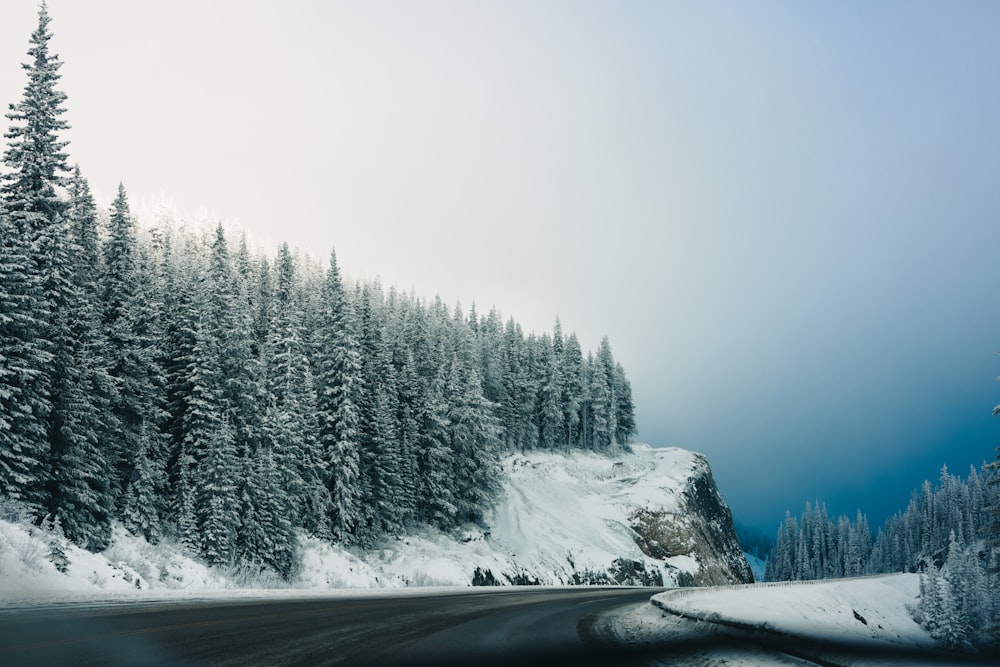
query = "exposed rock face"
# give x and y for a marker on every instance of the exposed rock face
(703, 530)
(649, 517)
(652, 517)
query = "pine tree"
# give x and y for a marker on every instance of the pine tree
(79, 494)
(177, 277)
(338, 387)
(245, 394)
(608, 384)
(519, 389)
(950, 625)
(24, 400)
(209, 435)
(129, 306)
(474, 440)
(271, 537)
(573, 391)
(290, 421)
(624, 407)
(30, 237)
(217, 505)
(409, 393)
(993, 530)
(140, 506)
(35, 152)
(379, 444)
(598, 428)
(491, 359)
(146, 448)
(930, 603)
(549, 397)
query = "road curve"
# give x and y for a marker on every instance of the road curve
(523, 626)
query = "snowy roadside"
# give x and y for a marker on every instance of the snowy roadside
(686, 642)
(560, 520)
(870, 616)
(134, 571)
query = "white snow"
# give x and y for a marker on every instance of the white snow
(558, 515)
(130, 565)
(823, 610)
(562, 514)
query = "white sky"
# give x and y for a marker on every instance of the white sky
(783, 214)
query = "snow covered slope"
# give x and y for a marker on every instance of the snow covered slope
(653, 516)
(867, 609)
(869, 616)
(650, 517)
(584, 517)
(35, 562)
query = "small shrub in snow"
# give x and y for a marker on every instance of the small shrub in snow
(484, 578)
(57, 556)
(29, 550)
(57, 543)
(254, 575)
(14, 511)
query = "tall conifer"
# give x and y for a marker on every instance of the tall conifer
(29, 241)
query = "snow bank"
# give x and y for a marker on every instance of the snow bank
(866, 609)
(871, 613)
(40, 563)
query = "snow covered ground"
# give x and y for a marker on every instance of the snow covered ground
(566, 514)
(561, 518)
(869, 616)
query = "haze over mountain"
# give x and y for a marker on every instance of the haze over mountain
(782, 214)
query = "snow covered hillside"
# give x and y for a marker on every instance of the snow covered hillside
(566, 518)
(650, 517)
(653, 516)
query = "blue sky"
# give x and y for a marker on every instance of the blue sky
(783, 214)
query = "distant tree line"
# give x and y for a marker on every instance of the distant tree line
(948, 532)
(177, 382)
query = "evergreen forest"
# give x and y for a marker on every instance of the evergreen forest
(187, 386)
(949, 533)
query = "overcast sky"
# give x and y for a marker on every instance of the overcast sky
(785, 215)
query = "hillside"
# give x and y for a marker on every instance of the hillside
(652, 516)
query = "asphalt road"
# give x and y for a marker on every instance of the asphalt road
(484, 627)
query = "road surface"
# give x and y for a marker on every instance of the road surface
(482, 627)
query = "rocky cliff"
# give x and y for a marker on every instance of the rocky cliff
(648, 517)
